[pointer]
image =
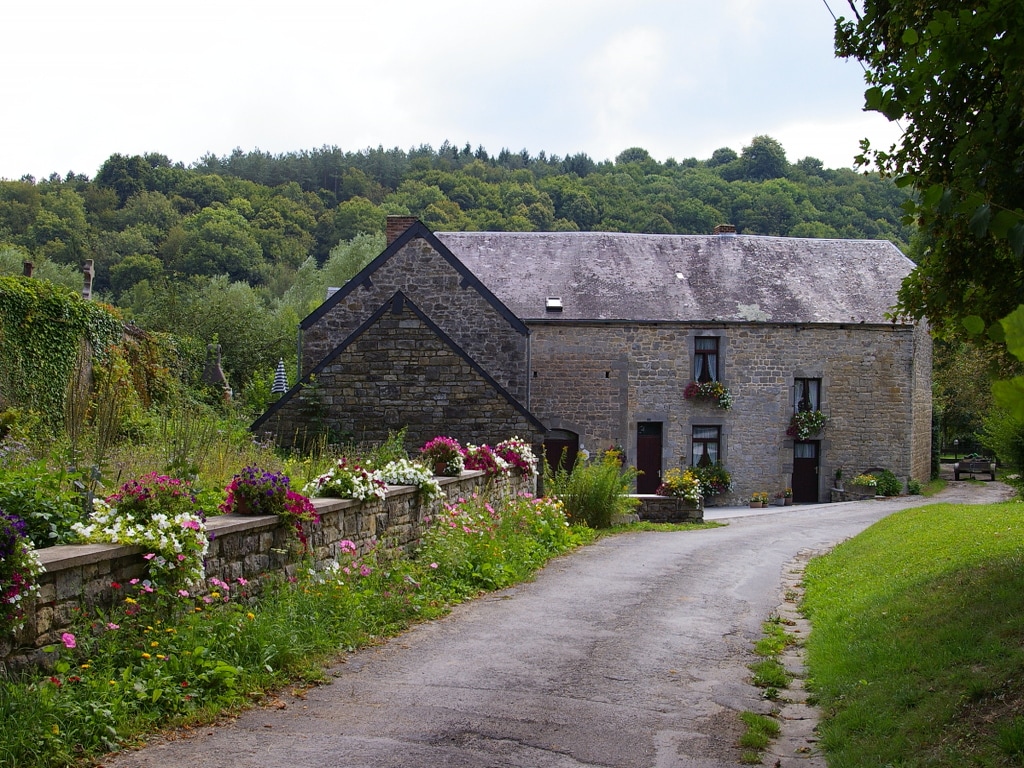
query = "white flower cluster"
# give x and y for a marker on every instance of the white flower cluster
(181, 540)
(516, 445)
(347, 482)
(409, 472)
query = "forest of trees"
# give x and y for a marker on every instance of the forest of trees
(241, 247)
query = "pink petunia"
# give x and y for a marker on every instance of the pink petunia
(68, 639)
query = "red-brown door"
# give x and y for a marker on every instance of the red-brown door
(806, 461)
(648, 456)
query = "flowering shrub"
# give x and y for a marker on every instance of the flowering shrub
(682, 484)
(805, 424)
(517, 453)
(408, 472)
(159, 513)
(256, 492)
(19, 568)
(709, 390)
(444, 456)
(348, 481)
(714, 479)
(483, 458)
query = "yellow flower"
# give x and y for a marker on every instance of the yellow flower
(112, 682)
(146, 656)
(154, 644)
(215, 595)
(250, 616)
(131, 601)
(85, 666)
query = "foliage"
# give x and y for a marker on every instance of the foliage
(949, 73)
(472, 545)
(1003, 433)
(160, 514)
(163, 656)
(19, 569)
(914, 651)
(709, 390)
(805, 424)
(759, 497)
(714, 479)
(347, 480)
(594, 492)
(43, 326)
(45, 498)
(888, 484)
(444, 454)
(681, 483)
(254, 491)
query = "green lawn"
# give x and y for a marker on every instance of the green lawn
(916, 656)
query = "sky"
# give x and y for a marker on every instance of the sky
(81, 80)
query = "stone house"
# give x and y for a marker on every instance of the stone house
(585, 340)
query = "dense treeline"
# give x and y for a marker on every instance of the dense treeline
(240, 247)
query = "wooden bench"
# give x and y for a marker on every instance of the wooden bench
(974, 466)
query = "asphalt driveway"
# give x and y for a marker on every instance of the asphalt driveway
(629, 653)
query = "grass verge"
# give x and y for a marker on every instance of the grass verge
(915, 656)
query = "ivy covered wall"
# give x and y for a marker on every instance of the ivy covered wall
(42, 329)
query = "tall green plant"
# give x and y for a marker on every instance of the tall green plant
(594, 492)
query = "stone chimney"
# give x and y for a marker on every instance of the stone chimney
(396, 225)
(725, 229)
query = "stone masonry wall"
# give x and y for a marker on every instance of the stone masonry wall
(423, 275)
(399, 373)
(247, 547)
(601, 379)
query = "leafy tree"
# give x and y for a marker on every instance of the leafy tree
(763, 159)
(126, 176)
(950, 72)
(218, 241)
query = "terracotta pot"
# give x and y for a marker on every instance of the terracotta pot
(789, 501)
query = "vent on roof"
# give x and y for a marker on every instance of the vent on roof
(554, 304)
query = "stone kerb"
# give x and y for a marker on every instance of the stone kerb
(254, 548)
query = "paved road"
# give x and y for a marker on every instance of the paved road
(629, 653)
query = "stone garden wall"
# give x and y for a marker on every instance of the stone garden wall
(80, 576)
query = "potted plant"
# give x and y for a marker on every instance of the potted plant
(444, 456)
(254, 491)
(257, 492)
(787, 496)
(348, 481)
(758, 500)
(839, 479)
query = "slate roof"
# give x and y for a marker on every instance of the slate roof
(714, 278)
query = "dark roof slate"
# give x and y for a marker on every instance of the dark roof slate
(686, 278)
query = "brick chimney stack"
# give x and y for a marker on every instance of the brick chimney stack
(725, 229)
(396, 225)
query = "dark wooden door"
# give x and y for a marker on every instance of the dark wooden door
(648, 456)
(806, 461)
(561, 451)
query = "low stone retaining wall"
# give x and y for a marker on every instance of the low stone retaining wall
(79, 576)
(668, 509)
